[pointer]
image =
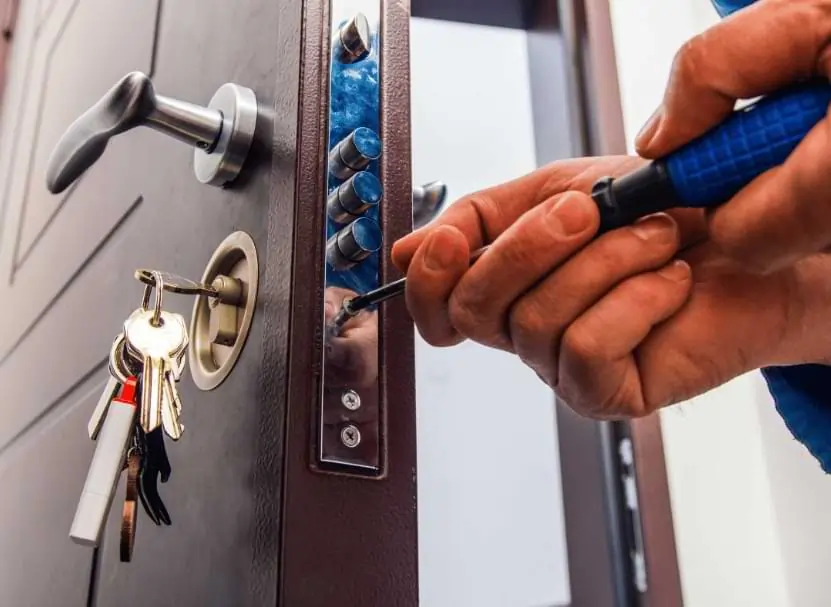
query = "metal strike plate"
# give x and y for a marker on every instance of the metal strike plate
(349, 436)
(219, 325)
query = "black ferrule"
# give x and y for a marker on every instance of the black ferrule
(624, 200)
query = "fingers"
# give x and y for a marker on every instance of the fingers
(784, 214)
(523, 255)
(483, 216)
(540, 318)
(435, 270)
(598, 373)
(756, 51)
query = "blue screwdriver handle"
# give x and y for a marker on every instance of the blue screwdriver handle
(710, 170)
(713, 168)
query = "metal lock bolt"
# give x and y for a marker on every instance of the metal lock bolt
(350, 436)
(351, 400)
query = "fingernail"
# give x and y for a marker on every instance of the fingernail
(677, 271)
(648, 130)
(572, 212)
(439, 254)
(659, 228)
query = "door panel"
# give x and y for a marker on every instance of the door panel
(40, 566)
(67, 67)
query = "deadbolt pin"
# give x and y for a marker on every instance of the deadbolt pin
(354, 197)
(354, 152)
(354, 39)
(353, 244)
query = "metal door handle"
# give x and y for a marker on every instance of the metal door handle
(221, 132)
(428, 201)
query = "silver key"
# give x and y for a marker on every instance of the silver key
(159, 347)
(171, 404)
(172, 410)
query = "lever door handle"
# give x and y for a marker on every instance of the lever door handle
(221, 133)
(428, 201)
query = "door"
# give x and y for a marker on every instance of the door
(67, 285)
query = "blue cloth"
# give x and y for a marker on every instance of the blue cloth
(725, 7)
(803, 399)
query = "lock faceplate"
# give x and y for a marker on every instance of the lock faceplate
(350, 416)
(219, 326)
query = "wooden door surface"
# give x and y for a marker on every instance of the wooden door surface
(66, 286)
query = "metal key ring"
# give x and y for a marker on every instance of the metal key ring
(158, 286)
(175, 284)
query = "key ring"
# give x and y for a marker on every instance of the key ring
(158, 284)
(175, 284)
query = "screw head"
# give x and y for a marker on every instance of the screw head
(350, 436)
(351, 400)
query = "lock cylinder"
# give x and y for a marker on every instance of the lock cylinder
(353, 244)
(353, 39)
(354, 197)
(354, 153)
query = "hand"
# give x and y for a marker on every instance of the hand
(617, 326)
(785, 214)
(351, 359)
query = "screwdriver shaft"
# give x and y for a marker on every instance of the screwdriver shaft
(351, 307)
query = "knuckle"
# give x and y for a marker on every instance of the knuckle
(531, 332)
(489, 211)
(467, 314)
(582, 345)
(687, 64)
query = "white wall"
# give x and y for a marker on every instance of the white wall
(491, 531)
(751, 507)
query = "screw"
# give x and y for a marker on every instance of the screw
(351, 400)
(350, 436)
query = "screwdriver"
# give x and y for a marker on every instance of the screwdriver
(705, 173)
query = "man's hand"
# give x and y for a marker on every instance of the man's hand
(618, 325)
(785, 214)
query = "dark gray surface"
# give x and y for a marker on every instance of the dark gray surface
(498, 13)
(39, 565)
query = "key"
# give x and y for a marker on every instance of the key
(105, 469)
(172, 410)
(158, 346)
(171, 405)
(114, 384)
(122, 363)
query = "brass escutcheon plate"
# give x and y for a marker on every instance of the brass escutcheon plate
(211, 363)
